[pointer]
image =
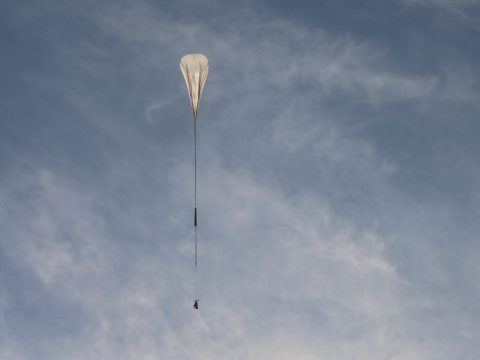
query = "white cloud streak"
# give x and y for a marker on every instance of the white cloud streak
(282, 273)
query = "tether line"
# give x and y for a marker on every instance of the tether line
(195, 197)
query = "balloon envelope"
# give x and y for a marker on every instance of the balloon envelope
(194, 68)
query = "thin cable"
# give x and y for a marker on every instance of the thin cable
(195, 201)
(196, 285)
(195, 146)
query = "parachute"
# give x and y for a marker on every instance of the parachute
(194, 68)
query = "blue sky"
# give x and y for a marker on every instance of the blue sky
(338, 180)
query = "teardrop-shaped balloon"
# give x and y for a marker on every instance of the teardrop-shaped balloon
(194, 68)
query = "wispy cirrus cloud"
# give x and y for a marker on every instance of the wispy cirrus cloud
(309, 248)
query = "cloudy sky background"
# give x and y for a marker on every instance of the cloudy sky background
(338, 180)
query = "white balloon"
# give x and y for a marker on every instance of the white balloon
(194, 68)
